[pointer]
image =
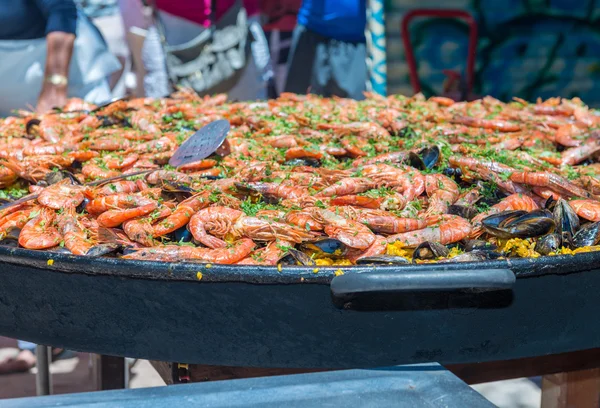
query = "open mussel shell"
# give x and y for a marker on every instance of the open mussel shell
(328, 246)
(59, 250)
(430, 250)
(55, 176)
(307, 161)
(473, 256)
(519, 224)
(464, 211)
(175, 187)
(249, 191)
(588, 235)
(102, 249)
(479, 245)
(493, 223)
(11, 238)
(382, 260)
(430, 156)
(295, 257)
(567, 221)
(182, 235)
(425, 159)
(548, 243)
(32, 127)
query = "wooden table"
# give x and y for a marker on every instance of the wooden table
(570, 380)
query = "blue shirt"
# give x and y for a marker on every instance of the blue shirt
(30, 19)
(342, 20)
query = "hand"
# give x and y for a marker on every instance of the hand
(50, 97)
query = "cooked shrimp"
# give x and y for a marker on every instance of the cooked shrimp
(442, 192)
(550, 180)
(587, 209)
(62, 195)
(115, 209)
(449, 229)
(40, 232)
(351, 185)
(351, 233)
(264, 230)
(303, 219)
(219, 220)
(75, 237)
(182, 214)
(493, 124)
(268, 255)
(378, 247)
(277, 190)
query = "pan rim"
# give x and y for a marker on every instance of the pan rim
(266, 274)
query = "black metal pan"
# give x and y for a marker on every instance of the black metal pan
(302, 317)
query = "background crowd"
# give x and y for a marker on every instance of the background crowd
(99, 50)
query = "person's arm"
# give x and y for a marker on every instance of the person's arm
(60, 37)
(56, 73)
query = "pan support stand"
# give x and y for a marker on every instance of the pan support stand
(43, 379)
(112, 373)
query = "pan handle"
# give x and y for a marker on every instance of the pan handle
(420, 281)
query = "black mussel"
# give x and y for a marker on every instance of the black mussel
(175, 187)
(209, 177)
(383, 260)
(430, 156)
(550, 203)
(430, 250)
(11, 238)
(295, 257)
(42, 183)
(406, 131)
(102, 249)
(55, 176)
(464, 211)
(108, 121)
(567, 221)
(81, 207)
(519, 224)
(425, 159)
(32, 127)
(253, 192)
(453, 172)
(307, 161)
(449, 171)
(330, 246)
(182, 235)
(479, 245)
(59, 250)
(128, 250)
(414, 160)
(473, 256)
(548, 243)
(588, 235)
(498, 219)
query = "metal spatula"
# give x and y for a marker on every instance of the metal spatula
(201, 144)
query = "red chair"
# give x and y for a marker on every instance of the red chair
(438, 13)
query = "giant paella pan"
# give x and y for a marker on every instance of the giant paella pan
(321, 233)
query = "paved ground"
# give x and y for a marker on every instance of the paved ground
(77, 375)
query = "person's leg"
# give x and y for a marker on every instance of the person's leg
(348, 63)
(26, 345)
(22, 362)
(156, 82)
(301, 61)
